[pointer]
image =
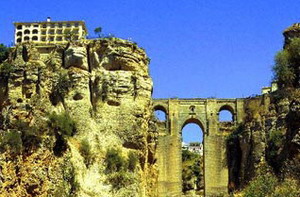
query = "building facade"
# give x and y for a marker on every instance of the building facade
(49, 31)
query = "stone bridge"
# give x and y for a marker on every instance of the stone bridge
(203, 112)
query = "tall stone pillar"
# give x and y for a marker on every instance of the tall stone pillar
(215, 168)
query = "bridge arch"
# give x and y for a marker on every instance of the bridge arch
(195, 121)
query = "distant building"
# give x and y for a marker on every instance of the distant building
(49, 31)
(193, 148)
(267, 90)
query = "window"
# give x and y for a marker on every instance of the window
(76, 24)
(27, 25)
(26, 31)
(51, 32)
(59, 38)
(36, 25)
(26, 38)
(19, 34)
(52, 25)
(68, 25)
(59, 31)
(19, 27)
(60, 25)
(44, 26)
(44, 32)
(35, 38)
(19, 40)
(43, 39)
(35, 31)
(51, 38)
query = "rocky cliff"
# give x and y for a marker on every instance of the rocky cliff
(268, 140)
(76, 120)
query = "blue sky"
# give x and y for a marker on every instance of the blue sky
(198, 48)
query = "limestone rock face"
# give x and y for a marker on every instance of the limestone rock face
(103, 88)
(269, 134)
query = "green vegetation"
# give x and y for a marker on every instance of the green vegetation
(6, 68)
(287, 64)
(115, 162)
(275, 141)
(119, 168)
(11, 140)
(21, 137)
(85, 151)
(98, 31)
(63, 124)
(266, 184)
(3, 53)
(132, 161)
(191, 171)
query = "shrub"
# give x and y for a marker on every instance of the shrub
(4, 52)
(283, 72)
(288, 188)
(115, 162)
(261, 186)
(132, 161)
(63, 124)
(11, 140)
(275, 141)
(6, 68)
(85, 151)
(30, 135)
(121, 179)
(287, 65)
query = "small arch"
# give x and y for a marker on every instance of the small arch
(226, 114)
(26, 38)
(27, 31)
(19, 40)
(19, 33)
(19, 27)
(35, 31)
(160, 113)
(35, 38)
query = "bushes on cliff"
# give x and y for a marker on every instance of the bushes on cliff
(85, 151)
(11, 140)
(6, 68)
(275, 141)
(114, 160)
(3, 52)
(266, 184)
(287, 62)
(120, 168)
(63, 126)
(21, 137)
(62, 123)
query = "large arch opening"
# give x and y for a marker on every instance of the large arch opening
(192, 158)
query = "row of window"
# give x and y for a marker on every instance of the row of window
(52, 25)
(35, 31)
(58, 32)
(44, 39)
(27, 38)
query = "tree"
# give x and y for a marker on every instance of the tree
(98, 31)
(287, 64)
(3, 53)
